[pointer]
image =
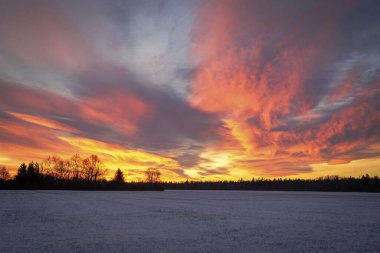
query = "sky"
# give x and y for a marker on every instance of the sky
(202, 90)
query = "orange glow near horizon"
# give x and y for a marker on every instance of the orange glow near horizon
(114, 156)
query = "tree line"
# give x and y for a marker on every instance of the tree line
(75, 173)
(88, 173)
(364, 183)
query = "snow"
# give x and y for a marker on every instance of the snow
(189, 221)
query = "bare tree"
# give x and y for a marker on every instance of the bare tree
(57, 167)
(61, 168)
(152, 176)
(4, 173)
(93, 168)
(47, 165)
(76, 165)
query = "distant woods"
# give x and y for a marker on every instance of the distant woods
(364, 183)
(88, 173)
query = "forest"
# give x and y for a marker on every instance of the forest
(364, 183)
(77, 173)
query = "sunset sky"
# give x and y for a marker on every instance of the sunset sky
(202, 90)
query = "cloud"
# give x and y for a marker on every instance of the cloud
(189, 160)
(131, 117)
(213, 172)
(43, 122)
(110, 70)
(181, 173)
(284, 87)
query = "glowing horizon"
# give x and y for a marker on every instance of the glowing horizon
(202, 90)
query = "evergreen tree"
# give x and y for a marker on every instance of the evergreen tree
(21, 174)
(33, 173)
(119, 177)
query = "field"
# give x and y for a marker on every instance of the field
(189, 221)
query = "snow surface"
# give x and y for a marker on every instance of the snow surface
(189, 221)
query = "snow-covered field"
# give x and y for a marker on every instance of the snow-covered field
(189, 221)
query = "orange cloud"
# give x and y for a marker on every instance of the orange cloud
(260, 85)
(44, 122)
(121, 109)
(23, 142)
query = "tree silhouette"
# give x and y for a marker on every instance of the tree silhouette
(76, 165)
(152, 176)
(119, 177)
(54, 166)
(4, 173)
(32, 173)
(93, 168)
(21, 173)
